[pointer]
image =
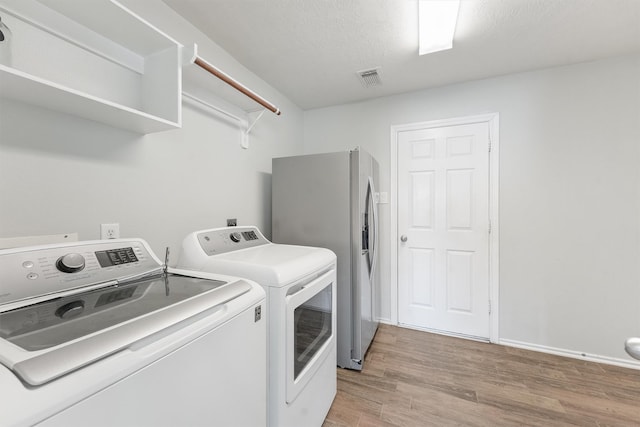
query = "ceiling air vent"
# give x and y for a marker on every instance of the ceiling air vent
(370, 78)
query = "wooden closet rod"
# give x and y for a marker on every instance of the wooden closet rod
(231, 82)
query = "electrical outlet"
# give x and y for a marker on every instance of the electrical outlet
(110, 231)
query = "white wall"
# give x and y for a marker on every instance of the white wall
(59, 173)
(569, 194)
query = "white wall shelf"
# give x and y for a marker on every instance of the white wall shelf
(94, 59)
(32, 90)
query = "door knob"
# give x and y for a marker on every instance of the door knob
(404, 238)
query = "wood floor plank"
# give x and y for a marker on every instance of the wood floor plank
(367, 420)
(413, 378)
(440, 381)
(346, 410)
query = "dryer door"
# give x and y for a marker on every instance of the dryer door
(311, 329)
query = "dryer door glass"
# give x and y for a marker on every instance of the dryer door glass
(312, 326)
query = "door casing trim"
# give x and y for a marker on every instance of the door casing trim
(494, 189)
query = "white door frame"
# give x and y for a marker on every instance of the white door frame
(494, 186)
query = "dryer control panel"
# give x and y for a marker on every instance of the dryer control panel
(45, 270)
(220, 240)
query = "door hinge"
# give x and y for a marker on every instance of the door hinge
(489, 306)
(489, 227)
(489, 145)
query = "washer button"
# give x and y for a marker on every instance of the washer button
(27, 264)
(32, 276)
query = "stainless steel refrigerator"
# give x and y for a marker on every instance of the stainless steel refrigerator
(329, 200)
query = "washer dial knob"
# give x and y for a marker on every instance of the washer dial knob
(235, 237)
(70, 263)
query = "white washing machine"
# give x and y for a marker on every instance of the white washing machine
(301, 298)
(101, 333)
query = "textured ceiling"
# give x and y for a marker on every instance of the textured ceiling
(310, 50)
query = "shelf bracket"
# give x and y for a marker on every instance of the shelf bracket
(245, 133)
(255, 121)
(189, 54)
(245, 124)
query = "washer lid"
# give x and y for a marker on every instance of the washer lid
(44, 341)
(51, 323)
(271, 264)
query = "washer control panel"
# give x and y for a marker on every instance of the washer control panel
(41, 270)
(221, 240)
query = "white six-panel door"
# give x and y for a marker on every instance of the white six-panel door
(443, 229)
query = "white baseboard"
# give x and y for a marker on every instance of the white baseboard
(445, 333)
(632, 364)
(573, 354)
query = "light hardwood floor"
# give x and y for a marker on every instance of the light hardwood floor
(413, 378)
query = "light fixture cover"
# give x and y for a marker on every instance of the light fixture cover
(437, 21)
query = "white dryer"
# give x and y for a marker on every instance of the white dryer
(101, 333)
(301, 298)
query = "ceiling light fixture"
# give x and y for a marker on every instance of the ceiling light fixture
(437, 23)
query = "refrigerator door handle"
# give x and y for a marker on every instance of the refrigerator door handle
(365, 233)
(374, 217)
